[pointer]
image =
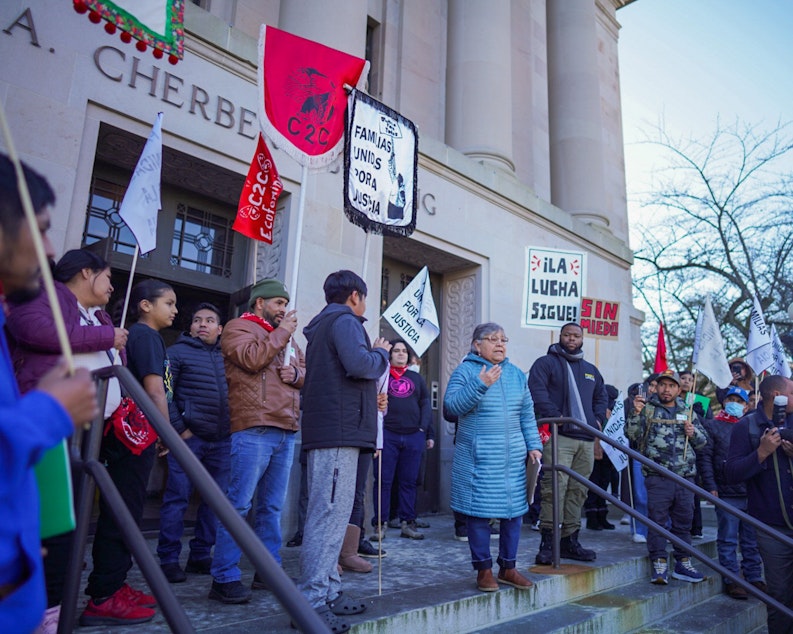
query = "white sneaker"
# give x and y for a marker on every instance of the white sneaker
(639, 539)
(626, 519)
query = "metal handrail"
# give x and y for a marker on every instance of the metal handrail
(292, 600)
(665, 473)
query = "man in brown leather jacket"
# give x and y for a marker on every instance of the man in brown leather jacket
(265, 371)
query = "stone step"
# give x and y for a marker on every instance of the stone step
(613, 596)
(643, 607)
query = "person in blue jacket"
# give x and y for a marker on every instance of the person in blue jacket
(496, 432)
(32, 424)
(200, 413)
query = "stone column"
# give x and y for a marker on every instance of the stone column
(340, 24)
(576, 142)
(478, 86)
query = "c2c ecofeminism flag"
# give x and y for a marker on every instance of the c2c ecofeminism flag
(256, 209)
(302, 97)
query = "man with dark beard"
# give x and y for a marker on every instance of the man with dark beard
(264, 380)
(563, 384)
(30, 424)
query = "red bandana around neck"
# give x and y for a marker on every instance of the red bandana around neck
(398, 372)
(258, 320)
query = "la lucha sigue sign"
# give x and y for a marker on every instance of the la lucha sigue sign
(600, 318)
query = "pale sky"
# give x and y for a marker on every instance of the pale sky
(687, 62)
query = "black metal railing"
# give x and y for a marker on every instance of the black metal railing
(90, 474)
(665, 473)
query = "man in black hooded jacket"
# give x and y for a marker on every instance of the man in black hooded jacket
(563, 384)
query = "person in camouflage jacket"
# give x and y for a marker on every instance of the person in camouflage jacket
(668, 434)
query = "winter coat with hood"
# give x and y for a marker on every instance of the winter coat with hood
(495, 432)
(200, 393)
(257, 395)
(340, 390)
(548, 381)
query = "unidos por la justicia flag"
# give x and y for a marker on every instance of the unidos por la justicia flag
(302, 98)
(257, 207)
(380, 168)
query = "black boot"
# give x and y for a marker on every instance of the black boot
(593, 520)
(545, 554)
(571, 549)
(603, 520)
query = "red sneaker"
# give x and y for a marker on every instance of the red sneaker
(137, 597)
(117, 610)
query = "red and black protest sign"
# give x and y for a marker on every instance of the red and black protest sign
(600, 318)
(302, 99)
(257, 206)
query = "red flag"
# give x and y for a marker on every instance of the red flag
(301, 95)
(256, 209)
(660, 352)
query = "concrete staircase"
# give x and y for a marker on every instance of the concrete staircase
(612, 598)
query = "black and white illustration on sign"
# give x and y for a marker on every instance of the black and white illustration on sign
(380, 167)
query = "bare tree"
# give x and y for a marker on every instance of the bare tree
(722, 223)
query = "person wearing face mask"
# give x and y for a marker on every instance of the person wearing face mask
(731, 530)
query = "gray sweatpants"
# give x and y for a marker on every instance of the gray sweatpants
(331, 490)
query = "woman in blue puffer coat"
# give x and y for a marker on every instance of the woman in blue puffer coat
(496, 431)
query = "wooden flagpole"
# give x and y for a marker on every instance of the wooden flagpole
(38, 243)
(301, 206)
(129, 284)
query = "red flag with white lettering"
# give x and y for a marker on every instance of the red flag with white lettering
(302, 99)
(256, 209)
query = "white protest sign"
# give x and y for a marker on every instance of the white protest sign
(554, 287)
(413, 314)
(615, 429)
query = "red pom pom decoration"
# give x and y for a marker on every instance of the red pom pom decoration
(110, 27)
(125, 37)
(157, 53)
(94, 17)
(172, 59)
(80, 6)
(141, 46)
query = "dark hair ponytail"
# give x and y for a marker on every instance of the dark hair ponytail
(149, 290)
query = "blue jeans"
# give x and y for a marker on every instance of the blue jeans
(639, 497)
(733, 531)
(479, 542)
(260, 457)
(401, 456)
(215, 458)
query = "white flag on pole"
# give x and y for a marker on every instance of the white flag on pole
(141, 202)
(615, 429)
(709, 357)
(781, 365)
(759, 350)
(413, 313)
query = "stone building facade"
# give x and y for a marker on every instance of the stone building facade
(517, 103)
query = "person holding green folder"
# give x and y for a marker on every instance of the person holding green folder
(31, 424)
(82, 285)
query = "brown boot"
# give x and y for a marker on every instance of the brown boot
(512, 577)
(349, 559)
(485, 581)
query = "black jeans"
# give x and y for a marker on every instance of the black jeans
(112, 558)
